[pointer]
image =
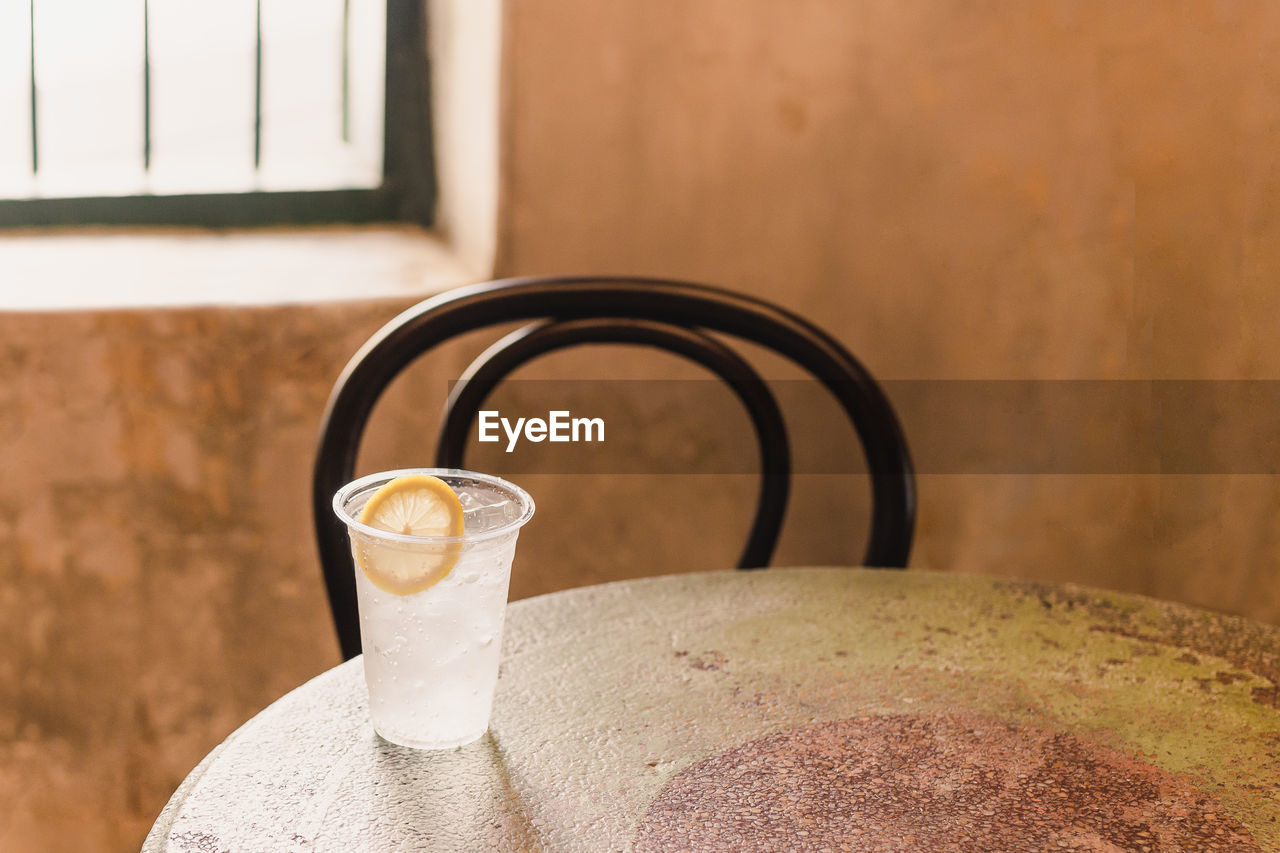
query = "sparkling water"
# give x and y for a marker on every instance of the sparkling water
(431, 658)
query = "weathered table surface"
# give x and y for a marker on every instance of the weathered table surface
(796, 709)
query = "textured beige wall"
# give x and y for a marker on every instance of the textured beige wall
(1055, 189)
(1035, 190)
(157, 581)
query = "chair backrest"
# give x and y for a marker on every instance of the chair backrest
(564, 312)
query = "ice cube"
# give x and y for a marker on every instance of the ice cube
(490, 516)
(484, 510)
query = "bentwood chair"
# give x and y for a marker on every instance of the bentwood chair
(566, 312)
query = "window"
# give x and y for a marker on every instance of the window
(239, 112)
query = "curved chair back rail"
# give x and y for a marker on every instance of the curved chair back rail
(657, 301)
(525, 344)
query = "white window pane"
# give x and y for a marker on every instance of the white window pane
(202, 96)
(89, 60)
(16, 180)
(89, 86)
(301, 93)
(367, 83)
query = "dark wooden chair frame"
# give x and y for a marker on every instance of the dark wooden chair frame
(570, 311)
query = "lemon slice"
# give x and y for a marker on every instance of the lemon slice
(416, 505)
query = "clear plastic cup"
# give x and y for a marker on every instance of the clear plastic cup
(431, 657)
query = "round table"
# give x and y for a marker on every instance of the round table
(790, 709)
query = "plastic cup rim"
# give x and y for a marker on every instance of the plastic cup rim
(343, 494)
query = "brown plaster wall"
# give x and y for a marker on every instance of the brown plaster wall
(1048, 190)
(1035, 190)
(158, 585)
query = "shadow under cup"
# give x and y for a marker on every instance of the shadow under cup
(431, 657)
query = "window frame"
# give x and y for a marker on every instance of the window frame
(407, 193)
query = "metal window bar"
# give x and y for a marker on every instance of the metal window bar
(346, 70)
(406, 193)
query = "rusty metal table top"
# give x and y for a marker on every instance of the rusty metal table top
(790, 709)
